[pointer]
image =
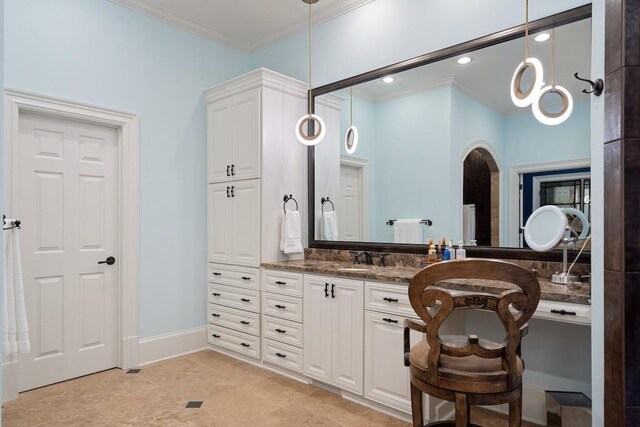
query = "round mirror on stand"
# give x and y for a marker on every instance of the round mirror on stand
(548, 227)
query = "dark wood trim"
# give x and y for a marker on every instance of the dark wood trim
(563, 18)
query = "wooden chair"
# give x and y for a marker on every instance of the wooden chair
(469, 370)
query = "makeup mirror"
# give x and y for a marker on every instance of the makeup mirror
(545, 228)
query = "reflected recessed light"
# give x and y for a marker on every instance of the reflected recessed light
(464, 60)
(542, 37)
(388, 79)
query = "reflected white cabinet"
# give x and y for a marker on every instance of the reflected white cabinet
(333, 331)
(234, 138)
(234, 222)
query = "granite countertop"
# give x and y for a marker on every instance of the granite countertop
(548, 291)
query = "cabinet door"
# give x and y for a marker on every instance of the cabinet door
(219, 134)
(316, 313)
(219, 230)
(245, 222)
(347, 334)
(386, 379)
(245, 155)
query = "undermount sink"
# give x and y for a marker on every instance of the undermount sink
(354, 269)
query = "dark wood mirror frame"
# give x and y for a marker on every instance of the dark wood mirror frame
(563, 18)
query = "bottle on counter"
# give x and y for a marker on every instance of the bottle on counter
(432, 256)
(461, 253)
(449, 253)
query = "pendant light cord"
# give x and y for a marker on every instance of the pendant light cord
(526, 30)
(553, 57)
(309, 58)
(351, 106)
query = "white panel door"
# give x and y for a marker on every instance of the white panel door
(350, 215)
(66, 194)
(316, 323)
(347, 340)
(219, 134)
(245, 156)
(245, 199)
(219, 224)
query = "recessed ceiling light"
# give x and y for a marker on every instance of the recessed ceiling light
(543, 37)
(388, 79)
(464, 60)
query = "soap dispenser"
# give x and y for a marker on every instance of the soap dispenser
(461, 253)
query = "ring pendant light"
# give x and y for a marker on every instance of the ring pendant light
(310, 120)
(544, 116)
(525, 98)
(351, 137)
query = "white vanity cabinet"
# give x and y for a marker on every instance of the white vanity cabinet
(282, 310)
(333, 331)
(234, 223)
(234, 138)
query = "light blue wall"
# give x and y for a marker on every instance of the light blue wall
(1, 163)
(97, 52)
(388, 31)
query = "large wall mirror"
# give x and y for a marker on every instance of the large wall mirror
(443, 143)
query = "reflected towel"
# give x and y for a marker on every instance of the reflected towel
(330, 225)
(15, 332)
(290, 240)
(407, 231)
(468, 223)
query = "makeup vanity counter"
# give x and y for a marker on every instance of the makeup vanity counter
(548, 291)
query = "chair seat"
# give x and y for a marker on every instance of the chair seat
(464, 374)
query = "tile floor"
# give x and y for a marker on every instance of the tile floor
(232, 393)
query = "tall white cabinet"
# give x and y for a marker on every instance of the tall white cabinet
(253, 159)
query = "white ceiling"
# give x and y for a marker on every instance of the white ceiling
(488, 76)
(244, 24)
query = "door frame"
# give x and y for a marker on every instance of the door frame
(365, 198)
(514, 190)
(128, 127)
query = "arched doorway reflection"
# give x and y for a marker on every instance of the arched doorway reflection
(481, 198)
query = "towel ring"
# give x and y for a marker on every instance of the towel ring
(326, 200)
(286, 199)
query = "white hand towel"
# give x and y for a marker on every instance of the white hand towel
(290, 241)
(15, 333)
(407, 231)
(330, 225)
(468, 223)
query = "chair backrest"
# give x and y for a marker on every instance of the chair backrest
(424, 294)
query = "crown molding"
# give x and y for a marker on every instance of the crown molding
(259, 78)
(177, 20)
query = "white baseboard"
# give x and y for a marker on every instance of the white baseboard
(167, 346)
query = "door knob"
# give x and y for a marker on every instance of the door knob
(109, 261)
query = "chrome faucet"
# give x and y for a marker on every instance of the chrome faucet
(368, 259)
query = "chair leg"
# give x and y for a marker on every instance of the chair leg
(463, 414)
(416, 406)
(515, 412)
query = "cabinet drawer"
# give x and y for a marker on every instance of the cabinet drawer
(282, 354)
(281, 282)
(282, 330)
(282, 306)
(233, 340)
(243, 321)
(579, 314)
(241, 277)
(244, 299)
(388, 298)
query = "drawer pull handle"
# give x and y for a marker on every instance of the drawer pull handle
(245, 278)
(386, 319)
(333, 290)
(390, 299)
(281, 331)
(280, 283)
(564, 312)
(244, 322)
(244, 344)
(215, 336)
(215, 315)
(326, 290)
(215, 294)
(217, 274)
(280, 306)
(245, 300)
(228, 170)
(281, 355)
